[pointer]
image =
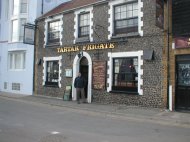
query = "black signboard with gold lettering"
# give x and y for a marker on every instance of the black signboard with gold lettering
(99, 75)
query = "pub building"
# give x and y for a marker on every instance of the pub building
(117, 45)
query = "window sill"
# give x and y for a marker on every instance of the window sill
(52, 45)
(124, 36)
(124, 92)
(82, 39)
(53, 86)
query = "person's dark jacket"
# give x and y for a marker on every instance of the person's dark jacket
(79, 82)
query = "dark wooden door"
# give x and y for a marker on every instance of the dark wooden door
(183, 82)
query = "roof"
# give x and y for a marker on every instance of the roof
(73, 4)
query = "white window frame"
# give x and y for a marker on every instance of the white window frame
(22, 62)
(18, 17)
(47, 21)
(21, 7)
(111, 56)
(45, 59)
(76, 21)
(111, 18)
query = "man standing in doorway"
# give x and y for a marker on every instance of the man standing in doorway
(79, 84)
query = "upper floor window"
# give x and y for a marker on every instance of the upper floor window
(15, 7)
(23, 6)
(14, 30)
(0, 8)
(20, 6)
(21, 33)
(54, 32)
(18, 29)
(126, 18)
(84, 24)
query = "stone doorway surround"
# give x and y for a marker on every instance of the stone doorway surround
(76, 64)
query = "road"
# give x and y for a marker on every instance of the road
(22, 121)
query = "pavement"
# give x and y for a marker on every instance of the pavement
(134, 113)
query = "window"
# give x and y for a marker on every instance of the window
(7, 9)
(0, 8)
(21, 33)
(23, 6)
(52, 73)
(17, 60)
(126, 18)
(15, 7)
(125, 74)
(84, 25)
(54, 32)
(16, 86)
(14, 30)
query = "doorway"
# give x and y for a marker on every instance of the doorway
(84, 72)
(183, 82)
(84, 65)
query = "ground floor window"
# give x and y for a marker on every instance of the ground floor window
(17, 60)
(52, 71)
(125, 74)
(52, 74)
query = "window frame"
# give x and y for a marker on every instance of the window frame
(48, 73)
(128, 86)
(12, 60)
(112, 55)
(15, 31)
(55, 40)
(45, 60)
(84, 26)
(127, 29)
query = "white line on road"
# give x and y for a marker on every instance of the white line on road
(54, 133)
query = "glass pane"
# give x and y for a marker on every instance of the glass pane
(18, 61)
(23, 6)
(117, 9)
(125, 71)
(129, 14)
(15, 7)
(117, 16)
(14, 30)
(123, 15)
(123, 8)
(22, 22)
(129, 7)
(135, 13)
(52, 71)
(11, 60)
(184, 74)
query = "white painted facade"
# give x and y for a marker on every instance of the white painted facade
(16, 58)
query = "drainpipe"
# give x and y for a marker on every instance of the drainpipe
(34, 64)
(42, 7)
(169, 90)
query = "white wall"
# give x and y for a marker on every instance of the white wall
(24, 77)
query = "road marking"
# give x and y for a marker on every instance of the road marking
(54, 133)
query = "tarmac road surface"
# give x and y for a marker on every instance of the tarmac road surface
(21, 121)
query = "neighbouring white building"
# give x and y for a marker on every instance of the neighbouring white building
(16, 58)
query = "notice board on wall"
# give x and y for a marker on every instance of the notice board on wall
(99, 75)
